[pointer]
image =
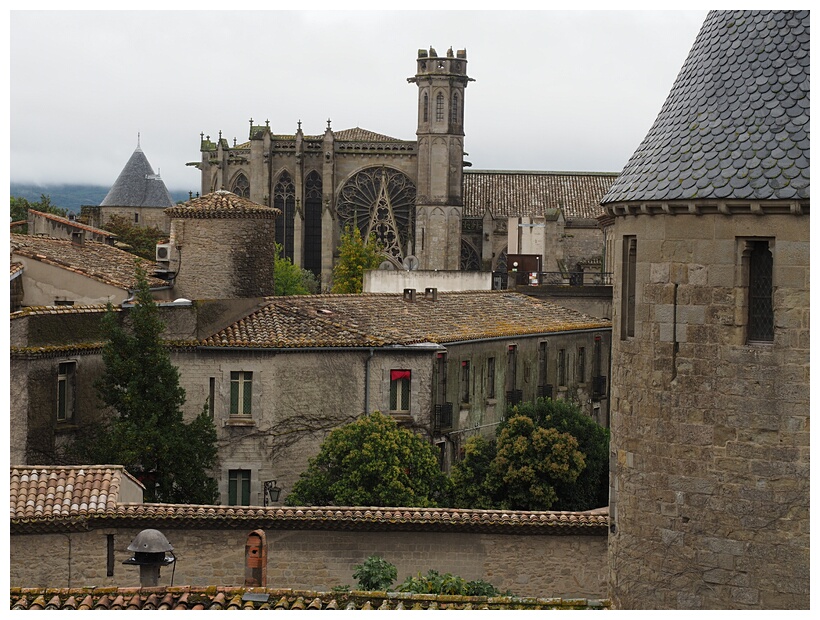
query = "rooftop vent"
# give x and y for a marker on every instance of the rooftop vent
(409, 294)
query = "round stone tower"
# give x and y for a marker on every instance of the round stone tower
(222, 247)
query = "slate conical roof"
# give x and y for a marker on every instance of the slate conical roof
(736, 123)
(138, 186)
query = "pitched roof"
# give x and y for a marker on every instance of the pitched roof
(16, 270)
(49, 492)
(378, 319)
(357, 134)
(222, 204)
(92, 259)
(72, 223)
(138, 186)
(736, 122)
(509, 193)
(242, 598)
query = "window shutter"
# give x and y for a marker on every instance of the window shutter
(246, 395)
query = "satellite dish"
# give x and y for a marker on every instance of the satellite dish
(411, 263)
(386, 265)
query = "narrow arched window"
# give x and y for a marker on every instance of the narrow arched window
(439, 107)
(426, 110)
(454, 110)
(761, 309)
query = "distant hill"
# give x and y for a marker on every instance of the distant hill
(71, 197)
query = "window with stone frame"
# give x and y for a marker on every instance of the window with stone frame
(241, 186)
(758, 263)
(426, 108)
(241, 393)
(465, 381)
(66, 384)
(400, 391)
(439, 107)
(490, 377)
(629, 273)
(454, 110)
(239, 487)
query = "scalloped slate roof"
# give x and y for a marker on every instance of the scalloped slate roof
(138, 186)
(736, 122)
(379, 319)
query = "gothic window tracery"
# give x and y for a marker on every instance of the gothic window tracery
(454, 110)
(470, 260)
(426, 106)
(380, 201)
(284, 199)
(439, 107)
(313, 222)
(241, 186)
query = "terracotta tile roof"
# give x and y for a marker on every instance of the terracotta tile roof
(240, 598)
(16, 269)
(357, 134)
(84, 309)
(736, 122)
(53, 498)
(377, 319)
(48, 492)
(72, 223)
(221, 204)
(508, 193)
(92, 259)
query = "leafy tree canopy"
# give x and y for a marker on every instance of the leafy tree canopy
(148, 435)
(547, 455)
(288, 279)
(355, 257)
(20, 207)
(372, 462)
(141, 240)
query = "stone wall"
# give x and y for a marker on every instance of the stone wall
(572, 565)
(710, 433)
(395, 281)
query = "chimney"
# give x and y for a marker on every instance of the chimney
(77, 237)
(410, 294)
(431, 294)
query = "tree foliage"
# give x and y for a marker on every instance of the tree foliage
(375, 573)
(288, 279)
(355, 257)
(547, 455)
(140, 240)
(372, 462)
(20, 206)
(148, 435)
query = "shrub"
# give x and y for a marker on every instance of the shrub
(375, 573)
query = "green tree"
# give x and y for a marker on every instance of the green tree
(355, 257)
(20, 207)
(139, 240)
(372, 462)
(288, 279)
(469, 475)
(435, 583)
(148, 435)
(528, 463)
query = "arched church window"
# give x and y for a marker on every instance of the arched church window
(454, 110)
(313, 223)
(470, 260)
(241, 186)
(380, 201)
(426, 106)
(761, 309)
(284, 199)
(439, 107)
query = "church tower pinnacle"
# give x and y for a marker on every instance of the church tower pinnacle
(441, 82)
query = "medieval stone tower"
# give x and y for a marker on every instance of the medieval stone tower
(441, 82)
(408, 193)
(222, 246)
(709, 498)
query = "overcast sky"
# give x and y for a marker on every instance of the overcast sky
(569, 91)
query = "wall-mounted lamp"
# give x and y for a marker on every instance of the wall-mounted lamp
(270, 492)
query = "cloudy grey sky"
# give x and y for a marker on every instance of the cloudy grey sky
(554, 90)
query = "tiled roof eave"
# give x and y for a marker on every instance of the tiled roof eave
(708, 207)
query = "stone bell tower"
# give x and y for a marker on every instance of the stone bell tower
(441, 82)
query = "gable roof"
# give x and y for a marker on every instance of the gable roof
(138, 186)
(510, 193)
(49, 492)
(71, 223)
(379, 319)
(91, 259)
(736, 122)
(247, 599)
